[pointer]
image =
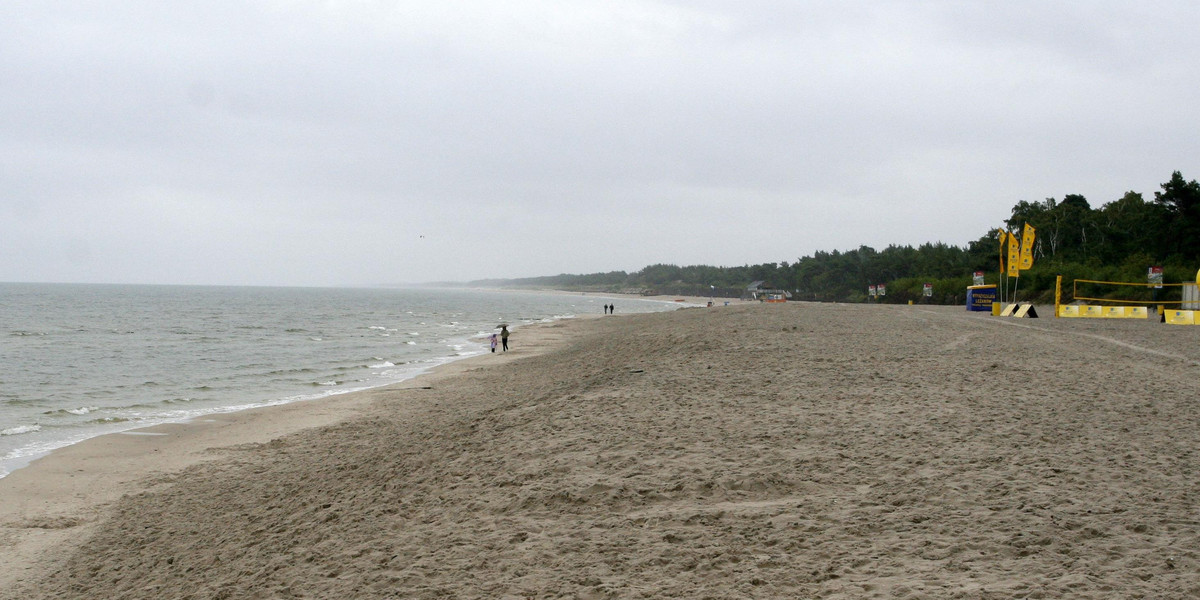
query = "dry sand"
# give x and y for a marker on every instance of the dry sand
(750, 451)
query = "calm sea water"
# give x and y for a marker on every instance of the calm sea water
(77, 361)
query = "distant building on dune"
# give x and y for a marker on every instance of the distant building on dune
(761, 290)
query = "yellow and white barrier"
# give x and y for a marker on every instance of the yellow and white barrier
(1180, 317)
(1117, 312)
(1093, 311)
(1021, 310)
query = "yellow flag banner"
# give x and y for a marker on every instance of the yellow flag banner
(1027, 238)
(1014, 256)
(1003, 241)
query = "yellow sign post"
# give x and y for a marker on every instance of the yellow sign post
(1058, 294)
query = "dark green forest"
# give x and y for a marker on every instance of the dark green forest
(1118, 241)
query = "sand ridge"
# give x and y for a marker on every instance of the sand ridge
(750, 451)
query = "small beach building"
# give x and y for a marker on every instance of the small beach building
(761, 290)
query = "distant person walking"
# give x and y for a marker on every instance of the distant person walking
(493, 343)
(504, 336)
(606, 309)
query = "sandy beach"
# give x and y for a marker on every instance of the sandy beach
(744, 451)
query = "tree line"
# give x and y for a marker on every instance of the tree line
(1118, 241)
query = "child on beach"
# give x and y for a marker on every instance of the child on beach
(493, 343)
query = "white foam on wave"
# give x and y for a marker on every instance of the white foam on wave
(82, 410)
(20, 457)
(383, 365)
(20, 429)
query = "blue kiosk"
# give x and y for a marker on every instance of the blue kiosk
(981, 297)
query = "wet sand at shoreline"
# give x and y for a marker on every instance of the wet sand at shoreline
(749, 451)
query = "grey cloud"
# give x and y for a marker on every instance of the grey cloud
(315, 143)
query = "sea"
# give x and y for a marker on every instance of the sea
(78, 361)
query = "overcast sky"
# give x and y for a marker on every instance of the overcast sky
(351, 142)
